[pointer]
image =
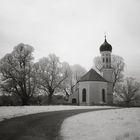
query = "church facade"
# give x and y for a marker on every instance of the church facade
(94, 88)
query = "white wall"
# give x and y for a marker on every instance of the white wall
(74, 95)
(96, 92)
(110, 93)
(93, 93)
(93, 90)
(108, 74)
(83, 85)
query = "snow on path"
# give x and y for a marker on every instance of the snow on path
(13, 111)
(117, 124)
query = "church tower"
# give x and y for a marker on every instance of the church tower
(107, 70)
(106, 50)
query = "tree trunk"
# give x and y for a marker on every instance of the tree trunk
(127, 102)
(51, 91)
(50, 98)
(25, 101)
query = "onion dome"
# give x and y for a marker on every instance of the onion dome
(105, 46)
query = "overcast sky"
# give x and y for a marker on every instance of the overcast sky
(73, 29)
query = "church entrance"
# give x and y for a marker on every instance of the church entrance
(74, 101)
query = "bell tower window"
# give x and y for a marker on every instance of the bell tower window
(107, 60)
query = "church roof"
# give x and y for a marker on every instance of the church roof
(92, 75)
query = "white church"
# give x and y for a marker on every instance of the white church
(94, 88)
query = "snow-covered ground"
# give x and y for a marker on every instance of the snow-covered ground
(115, 124)
(11, 111)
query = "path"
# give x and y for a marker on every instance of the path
(41, 126)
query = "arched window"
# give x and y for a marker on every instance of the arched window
(84, 95)
(107, 60)
(103, 95)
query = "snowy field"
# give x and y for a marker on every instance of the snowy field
(117, 124)
(11, 111)
(114, 124)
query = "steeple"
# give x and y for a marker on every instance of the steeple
(105, 50)
(105, 46)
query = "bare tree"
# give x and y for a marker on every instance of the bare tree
(77, 72)
(66, 85)
(117, 63)
(128, 90)
(50, 75)
(17, 74)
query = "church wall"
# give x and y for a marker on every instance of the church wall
(108, 74)
(110, 93)
(83, 85)
(74, 96)
(96, 92)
